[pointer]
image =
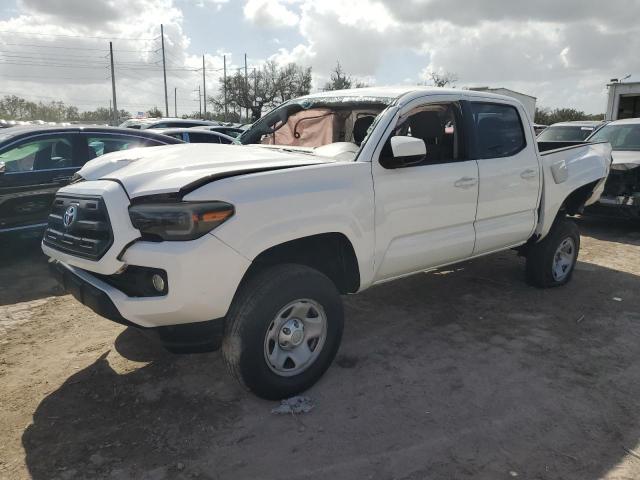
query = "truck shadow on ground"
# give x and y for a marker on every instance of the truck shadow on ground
(465, 373)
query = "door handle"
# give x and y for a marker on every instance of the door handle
(528, 174)
(466, 182)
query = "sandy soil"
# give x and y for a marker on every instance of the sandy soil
(465, 373)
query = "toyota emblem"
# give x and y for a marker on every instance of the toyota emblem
(69, 216)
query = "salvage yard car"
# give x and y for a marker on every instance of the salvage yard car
(225, 129)
(250, 246)
(196, 135)
(576, 131)
(36, 161)
(151, 123)
(622, 189)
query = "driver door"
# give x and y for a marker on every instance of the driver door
(425, 212)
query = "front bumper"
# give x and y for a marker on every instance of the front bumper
(202, 278)
(202, 275)
(185, 338)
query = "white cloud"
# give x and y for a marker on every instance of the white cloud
(546, 48)
(562, 52)
(357, 34)
(270, 13)
(62, 54)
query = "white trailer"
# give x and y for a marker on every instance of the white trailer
(623, 101)
(527, 101)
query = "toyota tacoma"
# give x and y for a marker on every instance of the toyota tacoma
(250, 246)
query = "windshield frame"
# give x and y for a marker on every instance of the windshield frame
(263, 125)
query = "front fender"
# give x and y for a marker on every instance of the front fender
(279, 206)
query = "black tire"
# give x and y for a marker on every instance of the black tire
(540, 256)
(256, 305)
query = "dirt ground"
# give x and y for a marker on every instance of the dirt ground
(463, 373)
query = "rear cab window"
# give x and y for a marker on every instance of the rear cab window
(498, 130)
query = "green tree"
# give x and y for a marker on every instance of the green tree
(444, 79)
(155, 112)
(339, 80)
(266, 87)
(546, 116)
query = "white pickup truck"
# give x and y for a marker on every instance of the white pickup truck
(250, 246)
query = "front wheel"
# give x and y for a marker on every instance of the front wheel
(550, 263)
(283, 330)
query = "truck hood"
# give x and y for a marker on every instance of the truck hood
(174, 168)
(625, 159)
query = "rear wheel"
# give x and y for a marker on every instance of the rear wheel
(550, 263)
(283, 330)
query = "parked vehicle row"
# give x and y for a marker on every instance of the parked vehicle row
(569, 131)
(231, 131)
(196, 135)
(249, 246)
(154, 123)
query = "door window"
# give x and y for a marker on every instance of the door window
(101, 144)
(498, 128)
(42, 153)
(203, 138)
(439, 126)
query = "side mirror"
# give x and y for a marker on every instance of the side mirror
(3, 168)
(406, 151)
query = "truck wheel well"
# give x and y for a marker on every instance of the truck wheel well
(574, 203)
(330, 253)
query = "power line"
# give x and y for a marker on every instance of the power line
(31, 64)
(49, 58)
(23, 77)
(76, 36)
(72, 48)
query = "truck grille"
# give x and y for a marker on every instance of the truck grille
(79, 225)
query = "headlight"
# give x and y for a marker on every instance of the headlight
(179, 220)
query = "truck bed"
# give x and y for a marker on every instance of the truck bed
(546, 146)
(566, 169)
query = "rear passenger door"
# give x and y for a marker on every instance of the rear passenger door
(509, 175)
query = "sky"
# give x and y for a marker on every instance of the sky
(561, 51)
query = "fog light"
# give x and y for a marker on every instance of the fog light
(158, 282)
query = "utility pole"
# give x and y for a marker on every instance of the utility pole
(255, 89)
(113, 86)
(200, 101)
(246, 85)
(164, 72)
(175, 101)
(204, 87)
(224, 59)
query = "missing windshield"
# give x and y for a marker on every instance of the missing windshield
(316, 122)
